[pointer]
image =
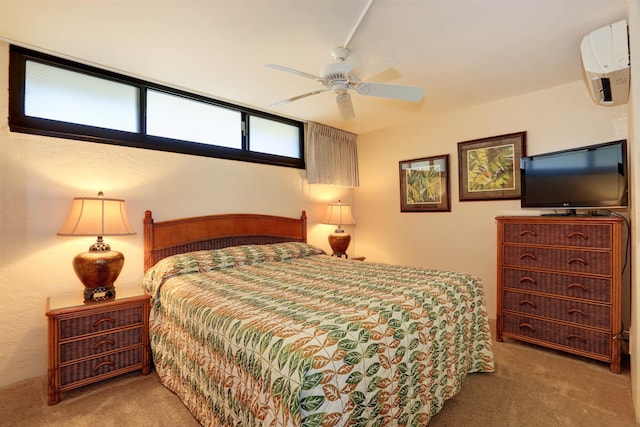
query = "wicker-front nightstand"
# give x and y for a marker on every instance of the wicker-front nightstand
(90, 342)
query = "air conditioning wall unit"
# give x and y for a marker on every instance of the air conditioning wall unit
(605, 59)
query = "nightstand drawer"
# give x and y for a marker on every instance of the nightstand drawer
(571, 261)
(569, 337)
(560, 309)
(97, 322)
(101, 366)
(99, 344)
(576, 235)
(588, 288)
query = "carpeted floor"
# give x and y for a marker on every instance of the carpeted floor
(531, 387)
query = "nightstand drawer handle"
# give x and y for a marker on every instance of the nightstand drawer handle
(528, 255)
(577, 285)
(528, 279)
(106, 363)
(529, 232)
(103, 342)
(577, 311)
(528, 326)
(101, 321)
(579, 234)
(529, 303)
(576, 337)
(578, 260)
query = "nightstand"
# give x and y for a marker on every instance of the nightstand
(90, 342)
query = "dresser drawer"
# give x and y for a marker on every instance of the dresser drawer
(95, 345)
(594, 315)
(588, 288)
(523, 327)
(577, 235)
(569, 260)
(104, 365)
(97, 322)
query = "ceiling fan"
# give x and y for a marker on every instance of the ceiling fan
(341, 77)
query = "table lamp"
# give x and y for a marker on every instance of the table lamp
(98, 268)
(339, 214)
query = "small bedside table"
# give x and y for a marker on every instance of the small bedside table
(90, 342)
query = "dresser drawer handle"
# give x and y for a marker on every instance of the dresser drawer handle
(103, 342)
(527, 326)
(576, 337)
(578, 260)
(100, 365)
(529, 303)
(580, 312)
(528, 279)
(528, 255)
(577, 285)
(101, 321)
(579, 234)
(529, 232)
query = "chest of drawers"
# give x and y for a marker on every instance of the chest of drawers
(559, 284)
(90, 342)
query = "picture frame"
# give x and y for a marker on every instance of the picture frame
(424, 184)
(489, 168)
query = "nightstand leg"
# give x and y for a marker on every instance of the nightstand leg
(54, 394)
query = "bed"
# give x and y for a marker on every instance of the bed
(252, 326)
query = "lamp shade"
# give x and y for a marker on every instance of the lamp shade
(97, 216)
(338, 214)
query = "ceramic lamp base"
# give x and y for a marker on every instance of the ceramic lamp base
(98, 270)
(339, 243)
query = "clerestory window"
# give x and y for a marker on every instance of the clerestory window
(56, 97)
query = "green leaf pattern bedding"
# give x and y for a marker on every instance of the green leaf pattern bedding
(284, 335)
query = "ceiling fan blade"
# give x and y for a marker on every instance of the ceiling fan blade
(292, 71)
(295, 98)
(374, 64)
(345, 106)
(405, 93)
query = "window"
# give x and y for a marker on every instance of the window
(55, 97)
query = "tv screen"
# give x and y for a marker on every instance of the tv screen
(580, 178)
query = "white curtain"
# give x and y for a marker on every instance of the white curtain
(331, 156)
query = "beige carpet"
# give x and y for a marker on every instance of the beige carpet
(531, 387)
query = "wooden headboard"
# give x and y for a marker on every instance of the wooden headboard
(166, 238)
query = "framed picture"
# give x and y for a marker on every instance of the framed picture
(489, 168)
(424, 185)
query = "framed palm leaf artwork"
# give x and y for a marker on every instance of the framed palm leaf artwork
(424, 185)
(489, 168)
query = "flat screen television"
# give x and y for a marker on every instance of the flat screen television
(591, 177)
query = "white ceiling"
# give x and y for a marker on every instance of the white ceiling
(464, 52)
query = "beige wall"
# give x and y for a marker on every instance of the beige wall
(465, 239)
(39, 177)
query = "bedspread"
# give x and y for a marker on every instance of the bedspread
(285, 335)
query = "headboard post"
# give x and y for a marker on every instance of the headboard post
(148, 240)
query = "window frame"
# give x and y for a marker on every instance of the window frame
(19, 122)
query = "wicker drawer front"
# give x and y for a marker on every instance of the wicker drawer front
(574, 261)
(100, 322)
(561, 309)
(578, 235)
(100, 366)
(589, 288)
(99, 344)
(598, 343)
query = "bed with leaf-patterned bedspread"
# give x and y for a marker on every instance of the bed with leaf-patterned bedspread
(285, 335)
